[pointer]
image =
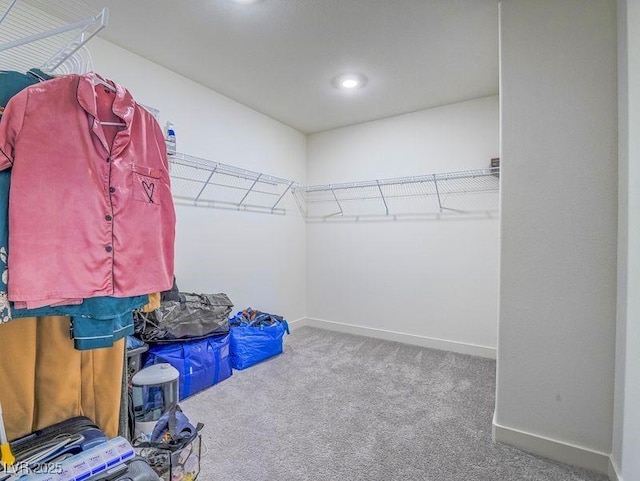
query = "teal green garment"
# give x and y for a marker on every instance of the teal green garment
(97, 322)
(13, 82)
(94, 334)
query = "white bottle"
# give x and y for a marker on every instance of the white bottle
(171, 139)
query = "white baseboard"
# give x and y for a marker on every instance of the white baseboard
(550, 448)
(298, 323)
(614, 472)
(422, 341)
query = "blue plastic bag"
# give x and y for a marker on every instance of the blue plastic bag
(201, 363)
(134, 343)
(253, 344)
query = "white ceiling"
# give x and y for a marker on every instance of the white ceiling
(279, 56)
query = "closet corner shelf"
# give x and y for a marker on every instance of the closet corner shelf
(201, 182)
(35, 33)
(470, 192)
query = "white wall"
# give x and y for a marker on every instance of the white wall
(257, 259)
(626, 442)
(558, 227)
(431, 278)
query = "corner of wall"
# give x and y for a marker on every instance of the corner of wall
(553, 449)
(298, 323)
(614, 471)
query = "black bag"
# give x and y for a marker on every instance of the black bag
(172, 294)
(193, 316)
(80, 432)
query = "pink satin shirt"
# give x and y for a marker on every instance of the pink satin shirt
(90, 206)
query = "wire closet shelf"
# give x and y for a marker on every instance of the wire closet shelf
(47, 35)
(469, 192)
(202, 182)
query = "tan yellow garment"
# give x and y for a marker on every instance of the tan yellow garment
(17, 375)
(153, 304)
(57, 375)
(101, 390)
(44, 380)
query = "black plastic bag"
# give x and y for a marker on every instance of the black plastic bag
(194, 316)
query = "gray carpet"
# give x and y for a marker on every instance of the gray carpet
(341, 407)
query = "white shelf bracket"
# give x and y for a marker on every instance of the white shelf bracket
(435, 182)
(206, 183)
(250, 189)
(299, 203)
(283, 194)
(386, 207)
(337, 202)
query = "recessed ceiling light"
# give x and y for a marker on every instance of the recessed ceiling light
(246, 2)
(349, 81)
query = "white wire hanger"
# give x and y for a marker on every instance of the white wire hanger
(97, 80)
(78, 63)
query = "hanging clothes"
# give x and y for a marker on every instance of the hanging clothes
(88, 217)
(60, 182)
(44, 380)
(96, 322)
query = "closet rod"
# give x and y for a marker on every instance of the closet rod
(388, 197)
(222, 204)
